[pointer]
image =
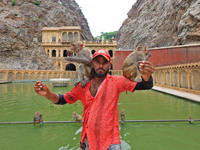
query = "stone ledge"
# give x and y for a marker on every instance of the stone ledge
(190, 96)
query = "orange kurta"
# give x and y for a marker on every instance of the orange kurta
(101, 124)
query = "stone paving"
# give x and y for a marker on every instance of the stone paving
(190, 96)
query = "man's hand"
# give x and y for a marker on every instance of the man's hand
(146, 69)
(41, 89)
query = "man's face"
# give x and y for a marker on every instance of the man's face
(100, 66)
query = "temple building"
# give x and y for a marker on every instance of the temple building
(56, 41)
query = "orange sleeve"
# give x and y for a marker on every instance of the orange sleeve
(125, 84)
(73, 95)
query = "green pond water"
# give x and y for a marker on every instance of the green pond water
(18, 102)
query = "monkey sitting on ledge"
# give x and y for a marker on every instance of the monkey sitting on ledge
(130, 66)
(84, 58)
(38, 118)
(77, 116)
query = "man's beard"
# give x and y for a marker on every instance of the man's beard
(99, 75)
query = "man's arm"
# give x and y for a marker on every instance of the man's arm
(144, 85)
(146, 69)
(43, 90)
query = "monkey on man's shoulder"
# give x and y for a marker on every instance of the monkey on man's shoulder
(84, 58)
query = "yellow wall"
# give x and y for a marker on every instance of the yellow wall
(55, 49)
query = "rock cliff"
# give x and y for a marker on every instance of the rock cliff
(21, 22)
(158, 23)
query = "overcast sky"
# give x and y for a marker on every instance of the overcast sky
(105, 15)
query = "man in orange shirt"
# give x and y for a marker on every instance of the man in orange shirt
(100, 98)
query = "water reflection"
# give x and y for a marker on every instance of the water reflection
(19, 103)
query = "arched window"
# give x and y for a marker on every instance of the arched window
(111, 53)
(70, 37)
(93, 51)
(54, 53)
(53, 38)
(64, 37)
(76, 37)
(65, 53)
(70, 67)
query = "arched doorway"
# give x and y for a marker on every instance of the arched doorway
(70, 67)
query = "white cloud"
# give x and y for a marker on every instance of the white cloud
(105, 15)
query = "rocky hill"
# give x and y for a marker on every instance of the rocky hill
(158, 23)
(21, 22)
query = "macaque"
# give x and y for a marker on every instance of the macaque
(191, 121)
(38, 118)
(122, 114)
(131, 63)
(84, 58)
(77, 116)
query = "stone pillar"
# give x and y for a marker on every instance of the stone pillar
(189, 78)
(29, 75)
(61, 52)
(171, 78)
(50, 52)
(57, 52)
(22, 75)
(179, 78)
(14, 75)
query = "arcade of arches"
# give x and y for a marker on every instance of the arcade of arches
(183, 77)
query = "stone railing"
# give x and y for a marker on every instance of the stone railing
(12, 74)
(184, 77)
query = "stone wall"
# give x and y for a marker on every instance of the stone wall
(164, 56)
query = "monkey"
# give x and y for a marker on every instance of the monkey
(122, 114)
(84, 58)
(130, 66)
(191, 121)
(38, 118)
(77, 116)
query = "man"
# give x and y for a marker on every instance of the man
(100, 100)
